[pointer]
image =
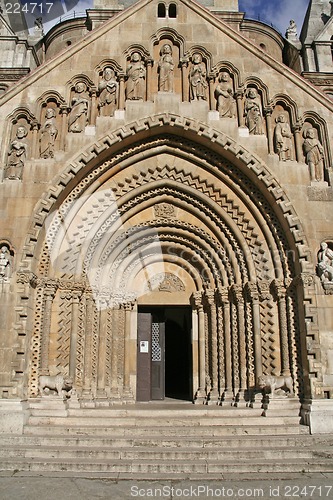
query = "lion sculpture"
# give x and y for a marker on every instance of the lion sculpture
(273, 382)
(57, 383)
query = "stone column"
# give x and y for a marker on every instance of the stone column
(240, 112)
(128, 307)
(88, 346)
(239, 300)
(150, 63)
(121, 98)
(185, 85)
(297, 129)
(49, 291)
(224, 300)
(214, 393)
(76, 295)
(114, 352)
(280, 292)
(103, 309)
(64, 127)
(34, 149)
(253, 294)
(93, 113)
(211, 80)
(268, 115)
(201, 393)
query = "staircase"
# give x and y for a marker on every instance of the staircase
(159, 440)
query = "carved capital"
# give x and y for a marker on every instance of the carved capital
(264, 290)
(210, 296)
(197, 300)
(252, 291)
(223, 295)
(279, 288)
(25, 278)
(237, 293)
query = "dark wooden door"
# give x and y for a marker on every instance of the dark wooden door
(157, 360)
(143, 379)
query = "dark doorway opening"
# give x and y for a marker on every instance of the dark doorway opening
(171, 373)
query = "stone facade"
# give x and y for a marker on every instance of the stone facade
(168, 160)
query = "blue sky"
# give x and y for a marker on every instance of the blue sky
(277, 12)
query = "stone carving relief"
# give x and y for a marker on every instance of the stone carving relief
(58, 383)
(165, 282)
(164, 211)
(108, 93)
(136, 78)
(17, 154)
(283, 138)
(48, 134)
(253, 112)
(224, 94)
(80, 102)
(198, 78)
(314, 155)
(166, 69)
(271, 383)
(291, 31)
(5, 263)
(325, 264)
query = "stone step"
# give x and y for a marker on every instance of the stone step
(180, 467)
(146, 453)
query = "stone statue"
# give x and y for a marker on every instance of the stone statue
(314, 155)
(165, 68)
(271, 382)
(17, 154)
(252, 112)
(49, 134)
(57, 383)
(108, 92)
(226, 104)
(78, 116)
(198, 79)
(136, 78)
(291, 31)
(325, 263)
(5, 264)
(283, 138)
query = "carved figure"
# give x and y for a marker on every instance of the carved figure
(57, 383)
(314, 155)
(226, 104)
(198, 79)
(136, 78)
(108, 91)
(5, 263)
(252, 112)
(291, 31)
(165, 68)
(17, 154)
(78, 117)
(283, 138)
(272, 382)
(325, 263)
(49, 134)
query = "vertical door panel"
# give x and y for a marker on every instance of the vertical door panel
(157, 360)
(143, 378)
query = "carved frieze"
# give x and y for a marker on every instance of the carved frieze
(165, 282)
(164, 211)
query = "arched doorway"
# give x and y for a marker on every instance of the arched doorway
(166, 221)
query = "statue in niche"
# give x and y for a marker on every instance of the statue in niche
(252, 112)
(5, 264)
(108, 91)
(325, 263)
(224, 94)
(17, 154)
(198, 79)
(136, 78)
(283, 138)
(49, 132)
(314, 155)
(78, 116)
(165, 68)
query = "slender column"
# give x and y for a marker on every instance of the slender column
(121, 99)
(93, 113)
(150, 63)
(128, 307)
(211, 80)
(103, 308)
(210, 297)
(239, 299)
(297, 129)
(253, 294)
(224, 299)
(280, 292)
(201, 393)
(64, 127)
(34, 149)
(239, 102)
(50, 288)
(268, 115)
(88, 345)
(185, 88)
(114, 352)
(76, 295)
